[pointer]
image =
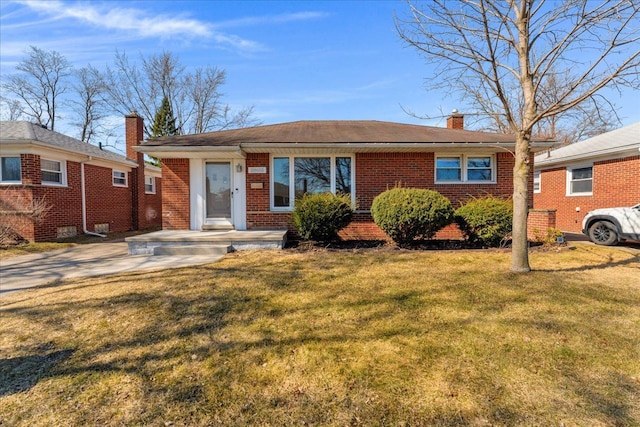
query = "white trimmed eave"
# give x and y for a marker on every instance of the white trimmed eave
(47, 150)
(191, 152)
(542, 163)
(329, 148)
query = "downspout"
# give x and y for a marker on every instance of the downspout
(84, 202)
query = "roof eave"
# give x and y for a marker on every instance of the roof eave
(585, 157)
(18, 145)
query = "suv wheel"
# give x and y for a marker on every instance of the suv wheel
(603, 233)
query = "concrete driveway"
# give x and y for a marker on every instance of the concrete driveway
(94, 259)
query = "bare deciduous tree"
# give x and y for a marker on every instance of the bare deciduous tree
(10, 109)
(88, 103)
(195, 97)
(41, 80)
(506, 51)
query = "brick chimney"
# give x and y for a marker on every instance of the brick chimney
(455, 120)
(134, 130)
(134, 134)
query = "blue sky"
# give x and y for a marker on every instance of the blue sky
(292, 60)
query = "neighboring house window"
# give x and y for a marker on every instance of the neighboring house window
(53, 172)
(150, 185)
(10, 171)
(580, 181)
(537, 181)
(465, 168)
(119, 178)
(292, 177)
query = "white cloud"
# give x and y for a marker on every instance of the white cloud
(271, 19)
(127, 19)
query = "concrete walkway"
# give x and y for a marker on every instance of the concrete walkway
(94, 259)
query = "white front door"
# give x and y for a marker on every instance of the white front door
(218, 195)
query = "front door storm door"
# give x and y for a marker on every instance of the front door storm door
(218, 192)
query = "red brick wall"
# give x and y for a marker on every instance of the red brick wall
(105, 203)
(175, 194)
(13, 200)
(150, 214)
(615, 183)
(375, 173)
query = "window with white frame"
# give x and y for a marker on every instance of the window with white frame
(580, 181)
(119, 178)
(537, 182)
(465, 168)
(53, 172)
(150, 184)
(294, 176)
(10, 170)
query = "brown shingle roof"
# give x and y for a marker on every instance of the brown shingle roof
(331, 132)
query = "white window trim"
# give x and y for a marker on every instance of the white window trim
(11, 182)
(463, 168)
(292, 189)
(539, 180)
(126, 178)
(153, 184)
(569, 176)
(62, 172)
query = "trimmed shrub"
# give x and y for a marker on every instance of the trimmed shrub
(486, 220)
(321, 216)
(405, 214)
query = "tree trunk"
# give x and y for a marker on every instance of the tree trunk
(520, 245)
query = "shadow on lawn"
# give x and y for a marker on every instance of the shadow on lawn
(196, 316)
(19, 374)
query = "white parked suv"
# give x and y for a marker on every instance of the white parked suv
(610, 225)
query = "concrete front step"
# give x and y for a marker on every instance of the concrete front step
(146, 244)
(213, 250)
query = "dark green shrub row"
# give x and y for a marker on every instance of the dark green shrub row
(486, 220)
(405, 214)
(321, 216)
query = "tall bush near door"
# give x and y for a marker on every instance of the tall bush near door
(406, 214)
(321, 216)
(486, 220)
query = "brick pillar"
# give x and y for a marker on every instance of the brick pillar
(455, 121)
(134, 134)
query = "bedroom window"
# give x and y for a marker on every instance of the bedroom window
(53, 172)
(580, 181)
(293, 176)
(10, 171)
(465, 168)
(119, 178)
(150, 185)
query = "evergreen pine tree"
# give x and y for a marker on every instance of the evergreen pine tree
(164, 123)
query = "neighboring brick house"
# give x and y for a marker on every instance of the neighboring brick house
(249, 178)
(87, 189)
(599, 172)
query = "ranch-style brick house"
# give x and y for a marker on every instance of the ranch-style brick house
(599, 172)
(87, 189)
(248, 179)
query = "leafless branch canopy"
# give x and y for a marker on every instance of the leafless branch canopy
(504, 55)
(195, 96)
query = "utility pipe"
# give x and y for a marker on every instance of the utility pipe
(84, 201)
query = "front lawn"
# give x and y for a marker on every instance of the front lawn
(347, 337)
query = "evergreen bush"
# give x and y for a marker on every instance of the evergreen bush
(485, 220)
(405, 214)
(321, 216)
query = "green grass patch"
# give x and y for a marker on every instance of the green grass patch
(364, 337)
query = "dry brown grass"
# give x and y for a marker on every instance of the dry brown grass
(332, 338)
